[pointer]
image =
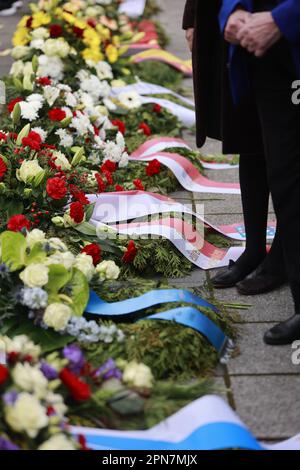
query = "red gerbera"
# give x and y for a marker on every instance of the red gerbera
(94, 251)
(12, 103)
(130, 253)
(138, 184)
(17, 223)
(3, 168)
(3, 374)
(101, 184)
(153, 168)
(120, 125)
(157, 108)
(78, 389)
(43, 81)
(56, 114)
(108, 165)
(145, 128)
(33, 140)
(55, 31)
(77, 212)
(56, 188)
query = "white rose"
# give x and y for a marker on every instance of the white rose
(61, 160)
(17, 68)
(19, 52)
(35, 236)
(57, 442)
(85, 264)
(30, 379)
(56, 47)
(57, 244)
(57, 316)
(21, 344)
(57, 402)
(67, 259)
(108, 270)
(35, 275)
(29, 169)
(26, 415)
(138, 375)
(40, 33)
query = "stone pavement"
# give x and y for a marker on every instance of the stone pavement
(262, 380)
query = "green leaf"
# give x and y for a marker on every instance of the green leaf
(36, 255)
(48, 340)
(86, 228)
(80, 292)
(23, 132)
(37, 180)
(59, 276)
(14, 208)
(89, 211)
(13, 250)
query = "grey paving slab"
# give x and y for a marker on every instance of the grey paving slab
(270, 406)
(195, 279)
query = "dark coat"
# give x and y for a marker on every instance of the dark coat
(216, 116)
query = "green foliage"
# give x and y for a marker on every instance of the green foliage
(79, 288)
(13, 250)
(159, 74)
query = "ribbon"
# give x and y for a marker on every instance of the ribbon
(186, 316)
(184, 66)
(132, 8)
(205, 424)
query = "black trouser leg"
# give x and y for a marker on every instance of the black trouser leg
(273, 76)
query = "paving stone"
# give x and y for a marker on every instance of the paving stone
(181, 196)
(269, 405)
(195, 279)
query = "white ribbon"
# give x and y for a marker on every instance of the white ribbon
(133, 8)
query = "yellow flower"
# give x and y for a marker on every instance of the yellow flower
(92, 54)
(111, 53)
(68, 17)
(104, 32)
(40, 19)
(80, 24)
(21, 37)
(116, 41)
(91, 38)
(23, 22)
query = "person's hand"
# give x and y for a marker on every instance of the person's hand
(235, 22)
(259, 33)
(189, 34)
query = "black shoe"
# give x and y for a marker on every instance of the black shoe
(229, 276)
(284, 333)
(260, 282)
(7, 8)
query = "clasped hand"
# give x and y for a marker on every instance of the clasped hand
(255, 32)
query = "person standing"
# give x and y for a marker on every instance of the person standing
(238, 127)
(264, 59)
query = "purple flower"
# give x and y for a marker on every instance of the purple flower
(5, 444)
(75, 356)
(9, 398)
(49, 372)
(109, 370)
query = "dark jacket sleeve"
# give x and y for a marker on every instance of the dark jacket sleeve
(189, 14)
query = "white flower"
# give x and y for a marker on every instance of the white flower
(51, 94)
(82, 124)
(57, 316)
(41, 132)
(61, 160)
(130, 99)
(40, 33)
(57, 402)
(71, 100)
(29, 111)
(38, 44)
(108, 270)
(26, 415)
(110, 105)
(67, 259)
(50, 67)
(138, 375)
(35, 97)
(30, 379)
(21, 344)
(57, 244)
(85, 264)
(35, 275)
(56, 47)
(103, 70)
(66, 140)
(95, 87)
(17, 68)
(57, 442)
(19, 52)
(28, 170)
(124, 160)
(35, 236)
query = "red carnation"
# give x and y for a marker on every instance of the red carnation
(157, 108)
(153, 168)
(33, 140)
(12, 103)
(3, 136)
(108, 176)
(78, 31)
(55, 31)
(17, 223)
(77, 212)
(56, 188)
(101, 184)
(43, 81)
(118, 187)
(120, 125)
(91, 22)
(3, 168)
(56, 114)
(138, 184)
(78, 195)
(78, 389)
(3, 374)
(108, 165)
(145, 128)
(94, 251)
(130, 253)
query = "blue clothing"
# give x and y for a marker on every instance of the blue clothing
(287, 17)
